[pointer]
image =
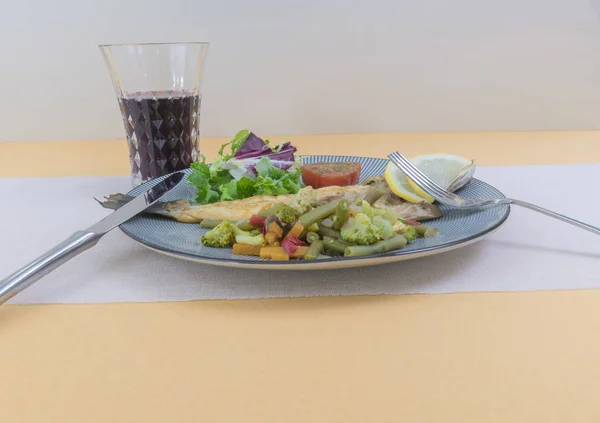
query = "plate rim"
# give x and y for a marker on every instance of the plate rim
(291, 265)
(373, 260)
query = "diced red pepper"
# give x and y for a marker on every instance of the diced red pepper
(412, 222)
(291, 244)
(257, 221)
(296, 241)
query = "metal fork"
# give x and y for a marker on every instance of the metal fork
(451, 199)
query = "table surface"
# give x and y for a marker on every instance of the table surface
(493, 357)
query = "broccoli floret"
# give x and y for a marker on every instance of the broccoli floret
(304, 200)
(220, 236)
(387, 214)
(245, 237)
(398, 226)
(286, 213)
(387, 230)
(367, 209)
(409, 233)
(361, 230)
(226, 233)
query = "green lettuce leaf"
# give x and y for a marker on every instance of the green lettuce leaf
(234, 145)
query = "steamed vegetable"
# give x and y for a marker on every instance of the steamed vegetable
(334, 245)
(318, 213)
(296, 230)
(342, 213)
(330, 232)
(426, 231)
(246, 237)
(304, 200)
(409, 233)
(374, 194)
(394, 243)
(312, 237)
(224, 235)
(246, 250)
(210, 223)
(361, 230)
(315, 249)
(285, 213)
(291, 243)
(220, 236)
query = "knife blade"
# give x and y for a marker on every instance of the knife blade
(81, 241)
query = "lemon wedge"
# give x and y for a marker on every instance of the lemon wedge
(442, 168)
(445, 169)
(400, 185)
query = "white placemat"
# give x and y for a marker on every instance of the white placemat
(529, 252)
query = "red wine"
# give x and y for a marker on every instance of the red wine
(162, 132)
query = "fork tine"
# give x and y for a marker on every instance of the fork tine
(415, 174)
(419, 177)
(426, 183)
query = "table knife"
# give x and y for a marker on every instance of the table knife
(81, 241)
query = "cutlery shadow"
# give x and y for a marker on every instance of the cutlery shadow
(544, 249)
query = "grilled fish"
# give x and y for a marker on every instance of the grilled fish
(185, 212)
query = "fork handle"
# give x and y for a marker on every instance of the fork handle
(562, 217)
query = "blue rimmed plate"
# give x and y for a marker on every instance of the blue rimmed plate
(457, 228)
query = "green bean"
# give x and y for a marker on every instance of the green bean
(426, 231)
(393, 243)
(314, 251)
(325, 231)
(373, 195)
(430, 232)
(325, 222)
(210, 223)
(331, 253)
(312, 228)
(342, 213)
(420, 229)
(318, 213)
(245, 225)
(334, 245)
(268, 212)
(312, 237)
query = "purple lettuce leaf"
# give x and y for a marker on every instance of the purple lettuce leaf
(252, 147)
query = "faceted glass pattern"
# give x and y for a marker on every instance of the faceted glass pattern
(162, 132)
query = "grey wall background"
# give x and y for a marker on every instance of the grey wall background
(288, 67)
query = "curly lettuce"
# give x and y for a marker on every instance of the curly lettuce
(247, 166)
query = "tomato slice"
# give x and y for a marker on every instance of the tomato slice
(324, 174)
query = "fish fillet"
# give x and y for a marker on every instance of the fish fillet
(185, 212)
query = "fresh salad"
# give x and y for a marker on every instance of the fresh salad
(245, 167)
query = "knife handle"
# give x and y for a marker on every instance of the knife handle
(46, 263)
